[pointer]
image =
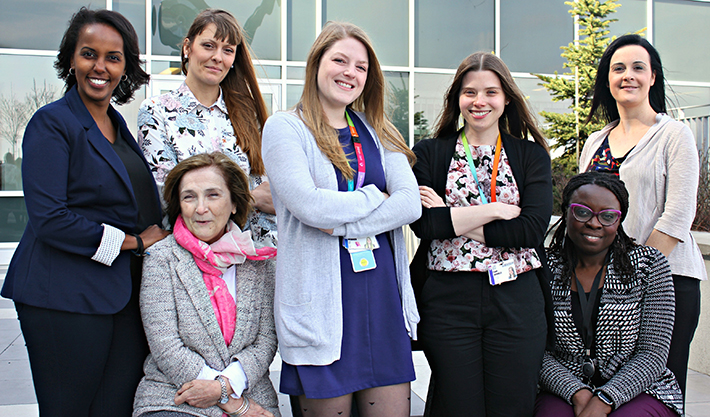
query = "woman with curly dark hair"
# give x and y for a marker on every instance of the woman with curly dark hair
(614, 311)
(93, 210)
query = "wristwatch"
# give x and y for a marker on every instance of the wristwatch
(224, 398)
(604, 397)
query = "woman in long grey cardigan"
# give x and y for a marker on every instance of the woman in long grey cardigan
(207, 301)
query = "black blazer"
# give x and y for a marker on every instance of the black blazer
(73, 182)
(531, 168)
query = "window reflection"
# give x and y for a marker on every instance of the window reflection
(397, 105)
(134, 11)
(429, 90)
(447, 32)
(384, 21)
(36, 24)
(259, 18)
(301, 28)
(13, 218)
(21, 94)
(539, 98)
(531, 33)
(681, 35)
(631, 17)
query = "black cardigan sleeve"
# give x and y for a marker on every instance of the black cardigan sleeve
(435, 223)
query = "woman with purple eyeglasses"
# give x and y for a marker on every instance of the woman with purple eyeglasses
(614, 309)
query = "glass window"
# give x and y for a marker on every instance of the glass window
(681, 34)
(165, 67)
(531, 33)
(267, 71)
(259, 18)
(296, 73)
(293, 94)
(688, 101)
(386, 23)
(539, 98)
(36, 24)
(21, 94)
(429, 90)
(301, 24)
(447, 32)
(631, 17)
(13, 216)
(134, 11)
(397, 106)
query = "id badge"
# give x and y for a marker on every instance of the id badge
(361, 243)
(501, 272)
(363, 260)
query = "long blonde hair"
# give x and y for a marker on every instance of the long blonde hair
(245, 105)
(371, 101)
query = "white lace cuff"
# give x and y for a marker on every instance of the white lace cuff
(110, 246)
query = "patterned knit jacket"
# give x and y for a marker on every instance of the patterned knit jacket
(633, 334)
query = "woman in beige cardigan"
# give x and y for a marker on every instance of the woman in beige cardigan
(657, 159)
(207, 301)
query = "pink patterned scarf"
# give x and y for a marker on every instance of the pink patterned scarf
(213, 260)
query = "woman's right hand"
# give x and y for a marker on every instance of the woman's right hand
(255, 409)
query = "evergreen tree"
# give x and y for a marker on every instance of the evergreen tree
(583, 58)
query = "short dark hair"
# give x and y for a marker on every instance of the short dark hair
(236, 179)
(564, 249)
(135, 76)
(604, 102)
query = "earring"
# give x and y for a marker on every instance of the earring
(460, 123)
(71, 71)
(124, 77)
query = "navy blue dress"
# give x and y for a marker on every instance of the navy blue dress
(376, 349)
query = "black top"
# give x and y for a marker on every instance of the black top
(141, 181)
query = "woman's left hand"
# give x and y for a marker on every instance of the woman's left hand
(595, 408)
(430, 198)
(199, 393)
(262, 198)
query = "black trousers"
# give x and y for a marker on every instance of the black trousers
(484, 343)
(84, 364)
(687, 315)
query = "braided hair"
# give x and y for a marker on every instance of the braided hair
(564, 249)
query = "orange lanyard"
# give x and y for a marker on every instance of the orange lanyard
(496, 161)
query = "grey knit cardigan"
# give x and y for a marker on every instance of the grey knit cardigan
(632, 338)
(183, 332)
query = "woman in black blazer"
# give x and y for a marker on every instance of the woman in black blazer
(88, 192)
(484, 342)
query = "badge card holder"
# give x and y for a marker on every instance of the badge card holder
(361, 252)
(501, 272)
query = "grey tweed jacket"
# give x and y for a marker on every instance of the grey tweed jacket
(632, 339)
(183, 332)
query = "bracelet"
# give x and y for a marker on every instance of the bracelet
(243, 409)
(140, 250)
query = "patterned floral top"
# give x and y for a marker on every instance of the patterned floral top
(462, 253)
(175, 125)
(604, 161)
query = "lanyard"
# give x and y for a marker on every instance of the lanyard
(360, 156)
(496, 160)
(587, 305)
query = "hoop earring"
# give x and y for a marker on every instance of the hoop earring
(71, 71)
(124, 77)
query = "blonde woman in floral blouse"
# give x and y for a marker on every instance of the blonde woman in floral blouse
(218, 108)
(478, 270)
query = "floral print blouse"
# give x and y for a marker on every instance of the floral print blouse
(175, 125)
(462, 253)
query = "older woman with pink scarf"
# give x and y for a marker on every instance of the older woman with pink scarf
(207, 301)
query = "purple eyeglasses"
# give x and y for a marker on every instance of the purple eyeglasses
(584, 214)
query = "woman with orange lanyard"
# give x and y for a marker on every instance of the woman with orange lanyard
(487, 198)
